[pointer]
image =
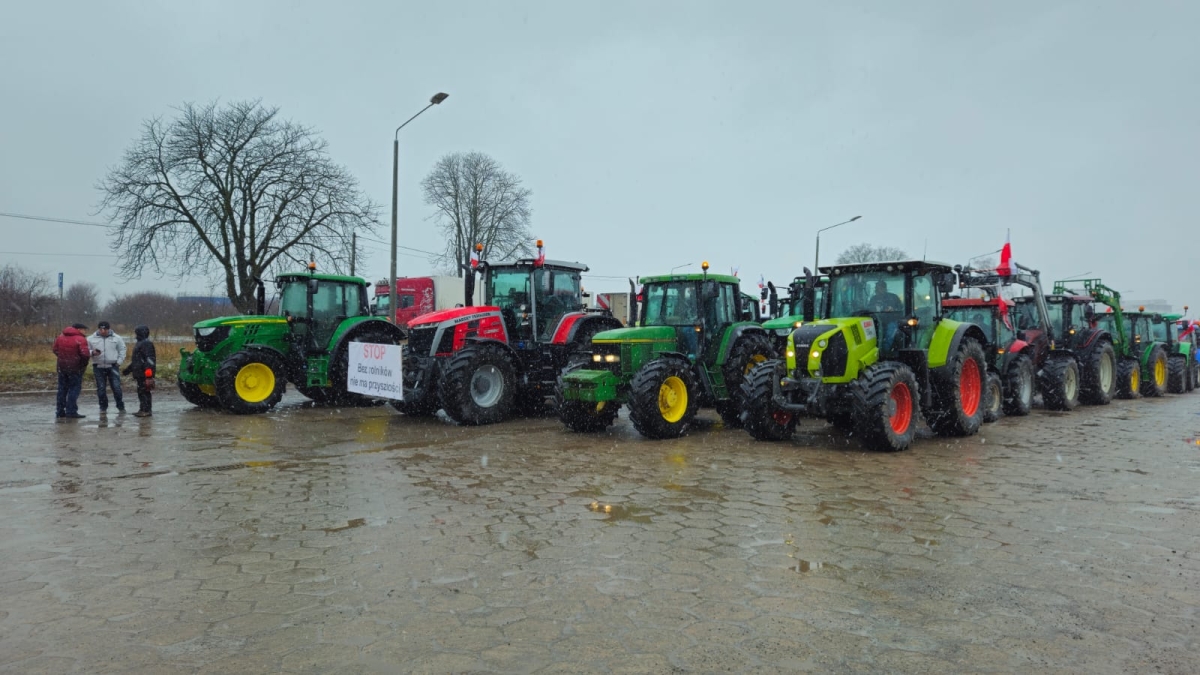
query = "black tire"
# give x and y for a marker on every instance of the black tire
(1156, 380)
(958, 392)
(583, 416)
(1177, 374)
(993, 401)
(1060, 383)
(339, 367)
(672, 379)
(419, 401)
(1098, 374)
(749, 351)
(1192, 371)
(1129, 378)
(479, 385)
(762, 420)
(1018, 387)
(261, 378)
(885, 403)
(192, 394)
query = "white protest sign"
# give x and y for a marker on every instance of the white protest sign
(375, 370)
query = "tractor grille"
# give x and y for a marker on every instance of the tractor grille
(420, 340)
(833, 359)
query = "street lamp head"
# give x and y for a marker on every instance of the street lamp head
(438, 98)
(855, 218)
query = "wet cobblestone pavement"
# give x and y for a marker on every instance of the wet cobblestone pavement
(359, 541)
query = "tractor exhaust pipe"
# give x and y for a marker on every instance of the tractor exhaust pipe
(633, 303)
(772, 300)
(260, 304)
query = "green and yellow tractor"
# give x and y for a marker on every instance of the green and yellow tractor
(242, 364)
(1141, 361)
(1182, 335)
(803, 304)
(691, 348)
(885, 356)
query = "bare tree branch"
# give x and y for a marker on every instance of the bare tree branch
(860, 253)
(232, 189)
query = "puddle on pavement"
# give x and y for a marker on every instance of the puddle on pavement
(618, 512)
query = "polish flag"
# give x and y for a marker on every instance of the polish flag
(474, 260)
(762, 283)
(541, 255)
(735, 271)
(1005, 267)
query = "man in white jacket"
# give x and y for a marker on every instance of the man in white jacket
(108, 353)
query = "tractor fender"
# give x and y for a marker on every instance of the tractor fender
(941, 349)
(359, 328)
(1014, 349)
(508, 349)
(1093, 338)
(571, 325)
(734, 334)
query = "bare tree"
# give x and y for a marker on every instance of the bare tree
(81, 302)
(477, 201)
(860, 253)
(234, 190)
(25, 298)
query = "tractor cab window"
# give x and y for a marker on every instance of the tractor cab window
(382, 303)
(509, 289)
(1060, 318)
(294, 299)
(924, 308)
(1158, 330)
(876, 294)
(980, 316)
(556, 293)
(673, 303)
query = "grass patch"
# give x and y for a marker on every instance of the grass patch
(32, 368)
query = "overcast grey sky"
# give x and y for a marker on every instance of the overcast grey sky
(655, 134)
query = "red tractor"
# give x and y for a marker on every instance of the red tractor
(483, 364)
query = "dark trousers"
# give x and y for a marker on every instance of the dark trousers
(143, 395)
(106, 377)
(69, 386)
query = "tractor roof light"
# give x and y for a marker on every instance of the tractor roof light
(704, 265)
(1141, 308)
(539, 243)
(312, 266)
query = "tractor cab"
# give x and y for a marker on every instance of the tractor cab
(314, 305)
(902, 299)
(994, 316)
(533, 296)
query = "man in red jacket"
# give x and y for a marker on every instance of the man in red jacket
(72, 351)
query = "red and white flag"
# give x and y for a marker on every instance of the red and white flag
(1004, 269)
(541, 255)
(474, 260)
(762, 283)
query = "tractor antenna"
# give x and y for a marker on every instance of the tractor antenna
(925, 251)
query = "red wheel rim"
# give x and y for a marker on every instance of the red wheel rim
(902, 408)
(781, 417)
(971, 387)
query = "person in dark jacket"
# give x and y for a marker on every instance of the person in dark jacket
(72, 351)
(142, 366)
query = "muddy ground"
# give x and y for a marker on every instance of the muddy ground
(356, 540)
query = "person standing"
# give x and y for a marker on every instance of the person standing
(142, 366)
(108, 353)
(71, 348)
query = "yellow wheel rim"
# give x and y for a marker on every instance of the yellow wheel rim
(1160, 373)
(672, 399)
(254, 382)
(1135, 380)
(754, 361)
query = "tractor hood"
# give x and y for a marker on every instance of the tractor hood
(441, 316)
(829, 344)
(637, 334)
(237, 320)
(782, 325)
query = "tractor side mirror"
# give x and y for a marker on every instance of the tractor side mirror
(312, 286)
(709, 290)
(946, 282)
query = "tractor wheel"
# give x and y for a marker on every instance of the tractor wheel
(1098, 375)
(196, 396)
(884, 400)
(747, 352)
(1191, 374)
(1060, 383)
(1129, 378)
(418, 401)
(958, 392)
(250, 382)
(1156, 385)
(479, 385)
(339, 369)
(762, 420)
(1177, 374)
(663, 397)
(1018, 387)
(583, 416)
(993, 398)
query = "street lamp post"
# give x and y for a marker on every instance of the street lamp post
(817, 257)
(437, 98)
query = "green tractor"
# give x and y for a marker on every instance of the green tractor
(242, 363)
(692, 347)
(803, 304)
(1184, 342)
(885, 355)
(1141, 361)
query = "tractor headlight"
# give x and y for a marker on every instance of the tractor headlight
(597, 358)
(791, 354)
(815, 354)
(611, 358)
(205, 332)
(797, 324)
(782, 331)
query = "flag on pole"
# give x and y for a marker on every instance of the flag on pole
(474, 260)
(541, 255)
(735, 270)
(1005, 267)
(762, 283)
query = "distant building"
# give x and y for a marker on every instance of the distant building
(1158, 305)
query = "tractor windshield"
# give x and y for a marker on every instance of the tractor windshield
(980, 316)
(508, 288)
(674, 303)
(863, 293)
(1060, 317)
(1158, 329)
(294, 299)
(556, 292)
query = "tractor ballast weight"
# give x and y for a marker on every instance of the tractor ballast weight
(877, 362)
(482, 364)
(691, 348)
(242, 364)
